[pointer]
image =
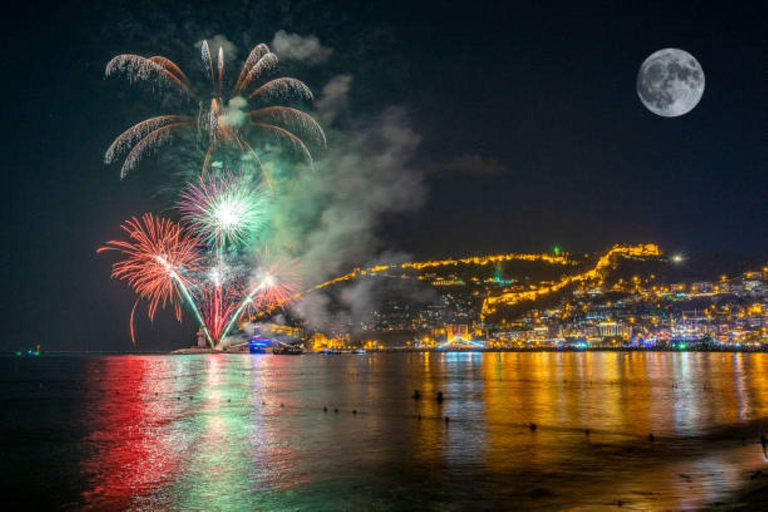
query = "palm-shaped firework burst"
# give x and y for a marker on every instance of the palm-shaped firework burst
(223, 116)
(224, 208)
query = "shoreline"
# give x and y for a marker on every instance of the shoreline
(406, 350)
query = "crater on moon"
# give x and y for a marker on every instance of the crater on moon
(670, 82)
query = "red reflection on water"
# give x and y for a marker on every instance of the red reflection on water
(127, 404)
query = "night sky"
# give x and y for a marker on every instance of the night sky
(541, 97)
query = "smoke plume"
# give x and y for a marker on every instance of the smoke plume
(295, 47)
(330, 217)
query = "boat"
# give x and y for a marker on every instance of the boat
(285, 349)
(259, 344)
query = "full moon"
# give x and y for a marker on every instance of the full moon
(670, 82)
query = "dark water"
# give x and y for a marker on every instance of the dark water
(219, 432)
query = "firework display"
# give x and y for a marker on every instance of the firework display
(223, 113)
(214, 262)
(223, 208)
(166, 265)
(159, 260)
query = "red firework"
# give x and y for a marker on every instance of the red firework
(219, 297)
(159, 257)
(277, 282)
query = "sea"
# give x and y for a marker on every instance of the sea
(383, 431)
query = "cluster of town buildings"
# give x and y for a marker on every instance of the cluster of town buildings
(634, 312)
(728, 313)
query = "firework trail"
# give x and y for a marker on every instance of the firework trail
(223, 118)
(131, 323)
(219, 296)
(224, 208)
